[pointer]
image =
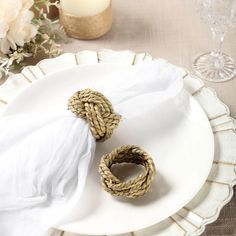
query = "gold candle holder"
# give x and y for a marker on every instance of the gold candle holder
(88, 27)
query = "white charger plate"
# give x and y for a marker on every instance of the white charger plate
(183, 154)
(217, 191)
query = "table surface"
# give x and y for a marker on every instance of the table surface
(170, 29)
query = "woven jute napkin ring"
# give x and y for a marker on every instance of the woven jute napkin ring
(97, 110)
(127, 154)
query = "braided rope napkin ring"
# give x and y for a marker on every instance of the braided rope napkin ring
(97, 110)
(133, 188)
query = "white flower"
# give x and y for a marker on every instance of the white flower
(15, 24)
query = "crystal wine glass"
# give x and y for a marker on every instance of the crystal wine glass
(220, 15)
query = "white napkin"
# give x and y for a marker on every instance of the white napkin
(44, 161)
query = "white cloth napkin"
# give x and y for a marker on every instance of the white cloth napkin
(44, 161)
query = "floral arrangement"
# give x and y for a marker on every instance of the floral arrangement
(25, 31)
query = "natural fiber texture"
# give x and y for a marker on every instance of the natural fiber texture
(133, 188)
(97, 110)
(88, 27)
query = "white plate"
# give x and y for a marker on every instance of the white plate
(183, 154)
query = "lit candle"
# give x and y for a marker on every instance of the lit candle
(86, 19)
(82, 8)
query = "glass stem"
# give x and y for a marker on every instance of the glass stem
(218, 39)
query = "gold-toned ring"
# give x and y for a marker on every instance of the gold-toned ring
(127, 154)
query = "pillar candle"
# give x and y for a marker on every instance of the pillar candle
(86, 19)
(83, 8)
